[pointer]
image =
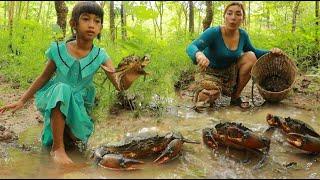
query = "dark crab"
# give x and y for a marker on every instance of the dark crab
(236, 135)
(298, 133)
(123, 156)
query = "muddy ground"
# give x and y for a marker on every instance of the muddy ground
(305, 95)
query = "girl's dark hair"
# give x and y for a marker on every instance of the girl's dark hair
(90, 7)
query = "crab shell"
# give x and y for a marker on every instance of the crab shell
(290, 125)
(235, 135)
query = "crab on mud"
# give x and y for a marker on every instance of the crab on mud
(123, 156)
(236, 135)
(298, 133)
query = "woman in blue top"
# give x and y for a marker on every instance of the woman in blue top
(226, 55)
(64, 92)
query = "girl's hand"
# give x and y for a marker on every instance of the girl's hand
(277, 51)
(14, 106)
(202, 60)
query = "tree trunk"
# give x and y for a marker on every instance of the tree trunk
(248, 15)
(123, 21)
(62, 11)
(20, 9)
(185, 12)
(160, 10)
(10, 15)
(39, 13)
(5, 9)
(191, 17)
(48, 12)
(27, 10)
(102, 3)
(155, 23)
(268, 17)
(294, 16)
(317, 21)
(112, 25)
(209, 16)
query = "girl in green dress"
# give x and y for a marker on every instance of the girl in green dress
(64, 92)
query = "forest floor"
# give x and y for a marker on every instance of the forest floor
(305, 95)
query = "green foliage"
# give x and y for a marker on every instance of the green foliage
(22, 58)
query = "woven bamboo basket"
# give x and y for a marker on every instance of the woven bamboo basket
(274, 76)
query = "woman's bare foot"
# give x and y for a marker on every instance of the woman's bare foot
(61, 157)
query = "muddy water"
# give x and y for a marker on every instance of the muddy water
(196, 161)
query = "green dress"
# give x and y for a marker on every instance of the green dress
(73, 86)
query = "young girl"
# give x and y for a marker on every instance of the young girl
(64, 92)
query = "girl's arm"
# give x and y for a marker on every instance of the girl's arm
(37, 84)
(110, 70)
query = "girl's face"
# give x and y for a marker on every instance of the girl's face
(89, 26)
(233, 17)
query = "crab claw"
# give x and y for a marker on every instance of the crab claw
(171, 152)
(304, 142)
(208, 138)
(118, 162)
(273, 120)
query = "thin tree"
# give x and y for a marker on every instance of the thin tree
(317, 21)
(5, 9)
(209, 16)
(39, 13)
(294, 15)
(48, 12)
(27, 10)
(185, 12)
(10, 16)
(191, 17)
(62, 11)
(123, 21)
(112, 25)
(160, 10)
(248, 15)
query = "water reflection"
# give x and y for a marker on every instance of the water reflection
(197, 161)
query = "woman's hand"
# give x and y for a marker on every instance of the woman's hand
(14, 106)
(202, 60)
(277, 51)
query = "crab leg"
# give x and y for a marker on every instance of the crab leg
(118, 162)
(304, 142)
(171, 152)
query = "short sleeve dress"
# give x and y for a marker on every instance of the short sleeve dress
(73, 86)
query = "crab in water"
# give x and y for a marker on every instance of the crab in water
(123, 156)
(298, 133)
(236, 135)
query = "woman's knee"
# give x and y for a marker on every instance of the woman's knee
(248, 58)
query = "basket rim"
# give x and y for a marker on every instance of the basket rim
(272, 92)
(270, 53)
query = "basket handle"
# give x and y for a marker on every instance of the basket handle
(252, 86)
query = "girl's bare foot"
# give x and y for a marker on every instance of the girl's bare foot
(61, 157)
